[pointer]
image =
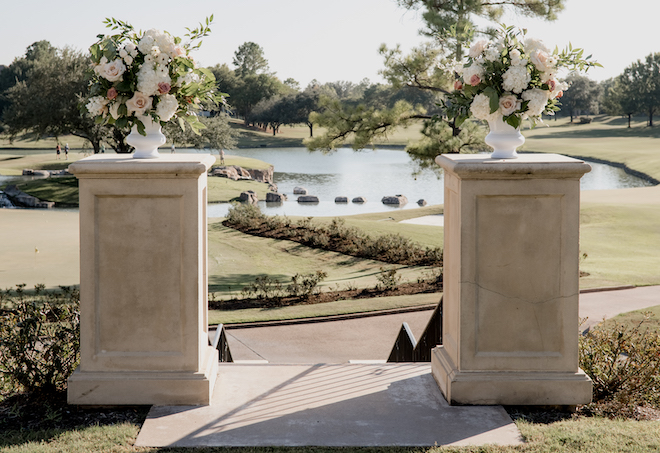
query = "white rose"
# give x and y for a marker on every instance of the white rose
(478, 48)
(542, 60)
(139, 103)
(114, 70)
(509, 104)
(532, 44)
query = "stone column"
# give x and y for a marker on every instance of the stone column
(143, 282)
(510, 327)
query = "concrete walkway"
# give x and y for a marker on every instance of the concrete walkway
(294, 386)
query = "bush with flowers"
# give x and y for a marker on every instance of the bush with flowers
(513, 77)
(148, 74)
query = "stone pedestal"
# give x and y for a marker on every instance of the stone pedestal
(510, 327)
(143, 282)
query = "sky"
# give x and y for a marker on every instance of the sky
(323, 40)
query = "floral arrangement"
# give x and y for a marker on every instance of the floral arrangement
(513, 78)
(148, 74)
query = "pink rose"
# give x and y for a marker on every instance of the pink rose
(552, 83)
(559, 94)
(112, 93)
(164, 87)
(509, 104)
(139, 103)
(458, 85)
(475, 80)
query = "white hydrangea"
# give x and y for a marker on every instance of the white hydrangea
(492, 53)
(538, 100)
(480, 108)
(149, 78)
(97, 105)
(155, 38)
(473, 74)
(167, 107)
(516, 58)
(190, 77)
(516, 79)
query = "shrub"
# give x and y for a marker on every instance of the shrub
(305, 285)
(264, 287)
(388, 279)
(624, 365)
(389, 248)
(39, 339)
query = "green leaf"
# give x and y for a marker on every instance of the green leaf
(494, 98)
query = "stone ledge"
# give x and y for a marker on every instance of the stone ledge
(167, 165)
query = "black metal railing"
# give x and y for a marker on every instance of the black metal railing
(407, 349)
(220, 343)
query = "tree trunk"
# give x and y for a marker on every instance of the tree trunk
(311, 129)
(629, 118)
(650, 117)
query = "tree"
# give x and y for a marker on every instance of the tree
(641, 82)
(217, 134)
(249, 60)
(581, 96)
(428, 68)
(619, 98)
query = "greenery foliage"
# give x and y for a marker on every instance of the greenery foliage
(39, 339)
(390, 248)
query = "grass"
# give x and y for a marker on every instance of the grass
(319, 310)
(606, 138)
(235, 259)
(633, 318)
(568, 436)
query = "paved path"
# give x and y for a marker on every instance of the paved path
(372, 338)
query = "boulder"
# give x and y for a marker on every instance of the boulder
(396, 199)
(422, 202)
(24, 200)
(359, 200)
(341, 199)
(272, 187)
(225, 172)
(43, 173)
(249, 196)
(262, 175)
(242, 172)
(299, 191)
(5, 202)
(272, 197)
(308, 199)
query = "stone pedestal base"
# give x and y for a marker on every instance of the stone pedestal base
(167, 388)
(508, 388)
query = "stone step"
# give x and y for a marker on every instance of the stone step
(326, 405)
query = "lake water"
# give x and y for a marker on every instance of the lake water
(372, 174)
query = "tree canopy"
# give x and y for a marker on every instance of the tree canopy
(429, 68)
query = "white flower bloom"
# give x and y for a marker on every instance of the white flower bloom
(538, 100)
(509, 104)
(492, 54)
(516, 79)
(167, 107)
(532, 44)
(516, 58)
(139, 103)
(478, 48)
(113, 71)
(480, 108)
(543, 61)
(128, 60)
(97, 105)
(473, 74)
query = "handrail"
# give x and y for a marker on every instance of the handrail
(220, 343)
(406, 349)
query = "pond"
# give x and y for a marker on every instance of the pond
(372, 174)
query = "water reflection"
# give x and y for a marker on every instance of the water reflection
(372, 174)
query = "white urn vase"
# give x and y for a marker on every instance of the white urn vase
(504, 139)
(146, 146)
